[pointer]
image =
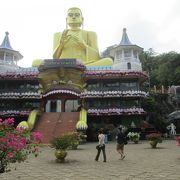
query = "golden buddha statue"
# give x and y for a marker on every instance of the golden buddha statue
(76, 43)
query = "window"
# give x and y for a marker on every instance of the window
(71, 105)
(53, 106)
(118, 55)
(111, 84)
(128, 65)
(127, 53)
(93, 86)
(129, 86)
(135, 54)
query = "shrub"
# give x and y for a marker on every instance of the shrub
(154, 137)
(16, 143)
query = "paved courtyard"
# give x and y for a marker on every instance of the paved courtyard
(141, 163)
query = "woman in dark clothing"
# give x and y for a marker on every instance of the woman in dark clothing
(120, 142)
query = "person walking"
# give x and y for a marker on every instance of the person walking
(101, 146)
(121, 140)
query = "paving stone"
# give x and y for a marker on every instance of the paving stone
(141, 163)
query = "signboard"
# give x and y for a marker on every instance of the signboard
(59, 63)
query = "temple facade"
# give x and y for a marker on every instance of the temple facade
(18, 86)
(114, 94)
(72, 96)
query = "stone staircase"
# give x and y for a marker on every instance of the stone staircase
(54, 124)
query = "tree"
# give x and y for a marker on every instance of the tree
(163, 69)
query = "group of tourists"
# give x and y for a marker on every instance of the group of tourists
(121, 141)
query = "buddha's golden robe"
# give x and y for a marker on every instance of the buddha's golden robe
(68, 45)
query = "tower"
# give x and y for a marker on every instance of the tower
(8, 56)
(126, 55)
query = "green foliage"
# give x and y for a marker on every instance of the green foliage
(74, 139)
(164, 69)
(149, 104)
(62, 142)
(160, 125)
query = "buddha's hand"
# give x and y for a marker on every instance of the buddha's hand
(80, 42)
(64, 38)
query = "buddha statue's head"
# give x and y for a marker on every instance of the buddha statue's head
(74, 17)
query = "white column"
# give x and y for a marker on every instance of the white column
(123, 54)
(132, 56)
(138, 56)
(58, 107)
(48, 104)
(13, 61)
(4, 56)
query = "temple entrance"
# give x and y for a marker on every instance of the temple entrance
(65, 103)
(53, 106)
(108, 123)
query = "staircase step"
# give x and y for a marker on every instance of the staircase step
(55, 124)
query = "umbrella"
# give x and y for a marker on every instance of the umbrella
(174, 115)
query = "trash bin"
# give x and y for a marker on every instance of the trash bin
(106, 138)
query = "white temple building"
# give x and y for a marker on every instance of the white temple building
(126, 55)
(8, 56)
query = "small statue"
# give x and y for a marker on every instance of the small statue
(133, 124)
(76, 43)
(172, 128)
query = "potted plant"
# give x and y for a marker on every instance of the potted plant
(134, 136)
(154, 139)
(82, 137)
(74, 139)
(61, 144)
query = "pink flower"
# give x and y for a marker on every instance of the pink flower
(8, 121)
(10, 155)
(0, 121)
(20, 130)
(37, 136)
(15, 142)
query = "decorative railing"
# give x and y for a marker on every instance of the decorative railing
(19, 90)
(14, 113)
(114, 73)
(111, 88)
(61, 91)
(105, 94)
(19, 75)
(117, 111)
(20, 95)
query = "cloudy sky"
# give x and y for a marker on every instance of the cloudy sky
(32, 23)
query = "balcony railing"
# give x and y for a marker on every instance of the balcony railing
(114, 93)
(20, 95)
(116, 111)
(12, 113)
